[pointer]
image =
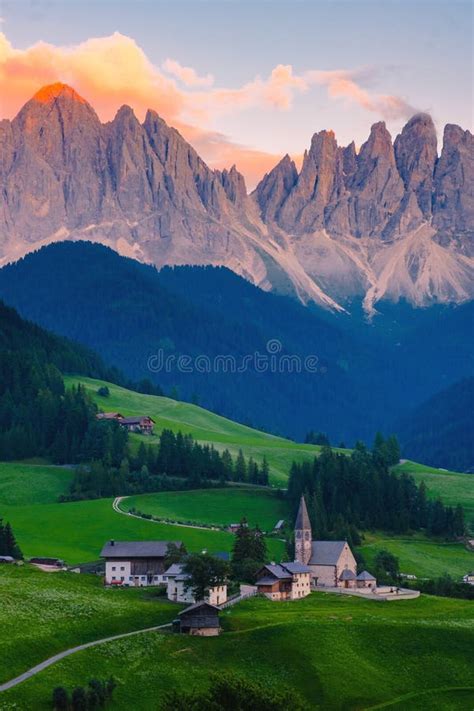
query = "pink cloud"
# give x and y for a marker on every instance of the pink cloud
(186, 75)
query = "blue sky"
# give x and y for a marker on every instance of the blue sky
(420, 52)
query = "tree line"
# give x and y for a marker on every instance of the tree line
(345, 494)
(178, 462)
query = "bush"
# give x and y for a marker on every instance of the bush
(103, 391)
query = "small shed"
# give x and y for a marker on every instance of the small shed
(348, 578)
(6, 559)
(366, 580)
(201, 619)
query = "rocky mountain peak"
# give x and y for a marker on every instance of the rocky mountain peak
(348, 224)
(52, 92)
(275, 187)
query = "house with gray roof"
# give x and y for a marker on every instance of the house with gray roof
(327, 560)
(135, 563)
(178, 591)
(284, 581)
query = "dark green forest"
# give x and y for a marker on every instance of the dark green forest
(128, 311)
(348, 494)
(441, 431)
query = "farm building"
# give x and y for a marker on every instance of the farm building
(332, 563)
(137, 563)
(200, 619)
(176, 583)
(142, 424)
(469, 579)
(285, 581)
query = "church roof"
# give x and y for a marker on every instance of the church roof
(302, 518)
(347, 575)
(326, 552)
(365, 576)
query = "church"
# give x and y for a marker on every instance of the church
(332, 563)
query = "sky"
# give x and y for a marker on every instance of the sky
(247, 82)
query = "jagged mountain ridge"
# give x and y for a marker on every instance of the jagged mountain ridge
(391, 221)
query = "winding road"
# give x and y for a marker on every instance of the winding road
(61, 655)
(116, 507)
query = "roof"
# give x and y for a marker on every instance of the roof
(265, 581)
(347, 575)
(281, 571)
(296, 567)
(197, 605)
(279, 524)
(135, 420)
(175, 569)
(136, 549)
(365, 575)
(302, 518)
(8, 558)
(326, 552)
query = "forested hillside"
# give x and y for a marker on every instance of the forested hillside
(441, 430)
(37, 416)
(366, 375)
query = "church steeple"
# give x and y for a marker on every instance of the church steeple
(303, 546)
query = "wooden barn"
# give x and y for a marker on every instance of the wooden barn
(201, 619)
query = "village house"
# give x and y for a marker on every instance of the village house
(332, 563)
(143, 424)
(284, 581)
(176, 581)
(469, 579)
(137, 563)
(200, 619)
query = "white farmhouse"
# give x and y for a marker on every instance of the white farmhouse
(136, 563)
(176, 588)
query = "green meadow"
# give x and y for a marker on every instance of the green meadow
(205, 427)
(76, 531)
(44, 613)
(419, 555)
(336, 652)
(453, 488)
(216, 507)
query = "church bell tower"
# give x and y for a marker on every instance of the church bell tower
(303, 546)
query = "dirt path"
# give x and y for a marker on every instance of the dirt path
(61, 655)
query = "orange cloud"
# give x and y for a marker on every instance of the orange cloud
(114, 70)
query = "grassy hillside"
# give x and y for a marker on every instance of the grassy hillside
(452, 487)
(421, 556)
(42, 614)
(218, 507)
(205, 426)
(336, 652)
(77, 531)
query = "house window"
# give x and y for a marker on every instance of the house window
(122, 567)
(113, 577)
(113, 567)
(122, 578)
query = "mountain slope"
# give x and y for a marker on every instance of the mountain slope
(366, 375)
(391, 221)
(441, 430)
(129, 312)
